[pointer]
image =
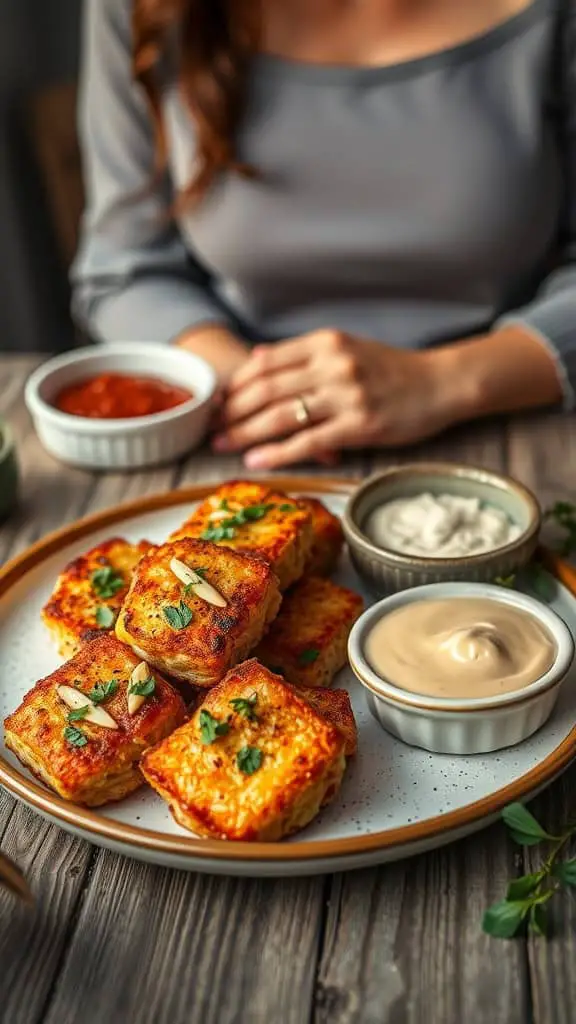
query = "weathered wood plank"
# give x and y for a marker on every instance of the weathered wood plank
(403, 943)
(160, 947)
(542, 452)
(32, 940)
(552, 960)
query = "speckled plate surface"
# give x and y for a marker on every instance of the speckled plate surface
(395, 800)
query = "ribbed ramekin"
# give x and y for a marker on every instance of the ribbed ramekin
(460, 726)
(122, 443)
(386, 571)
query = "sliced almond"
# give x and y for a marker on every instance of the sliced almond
(96, 715)
(139, 675)
(202, 589)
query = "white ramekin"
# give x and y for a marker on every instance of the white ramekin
(122, 443)
(460, 726)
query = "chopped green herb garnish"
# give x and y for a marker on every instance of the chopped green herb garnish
(104, 616)
(527, 897)
(75, 737)
(106, 582)
(246, 706)
(145, 688)
(211, 728)
(103, 691)
(249, 760)
(177, 616)
(287, 508)
(309, 656)
(189, 588)
(226, 529)
(78, 713)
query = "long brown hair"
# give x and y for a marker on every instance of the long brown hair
(217, 39)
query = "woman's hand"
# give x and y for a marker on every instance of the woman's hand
(357, 393)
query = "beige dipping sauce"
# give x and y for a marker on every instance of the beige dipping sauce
(460, 647)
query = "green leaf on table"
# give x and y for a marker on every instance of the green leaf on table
(524, 828)
(541, 583)
(566, 872)
(538, 919)
(521, 888)
(504, 919)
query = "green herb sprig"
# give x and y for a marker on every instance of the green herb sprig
(309, 656)
(178, 616)
(535, 577)
(249, 760)
(106, 582)
(526, 901)
(103, 691)
(144, 688)
(246, 706)
(226, 528)
(211, 728)
(105, 616)
(75, 737)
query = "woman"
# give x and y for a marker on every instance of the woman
(379, 192)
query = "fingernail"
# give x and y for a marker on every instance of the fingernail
(221, 443)
(255, 460)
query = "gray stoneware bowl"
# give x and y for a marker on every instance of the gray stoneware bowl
(387, 571)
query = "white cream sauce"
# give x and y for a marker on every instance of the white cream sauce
(440, 526)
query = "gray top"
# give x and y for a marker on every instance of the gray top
(415, 204)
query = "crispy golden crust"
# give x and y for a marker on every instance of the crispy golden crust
(307, 642)
(335, 707)
(216, 638)
(283, 537)
(106, 768)
(70, 613)
(328, 539)
(302, 762)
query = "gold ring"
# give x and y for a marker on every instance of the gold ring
(301, 411)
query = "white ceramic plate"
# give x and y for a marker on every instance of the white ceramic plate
(395, 800)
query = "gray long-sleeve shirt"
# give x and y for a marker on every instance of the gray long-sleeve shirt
(414, 204)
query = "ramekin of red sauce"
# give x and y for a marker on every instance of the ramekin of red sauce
(119, 396)
(124, 406)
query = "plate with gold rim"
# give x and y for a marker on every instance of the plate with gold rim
(395, 800)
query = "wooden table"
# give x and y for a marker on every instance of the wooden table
(113, 940)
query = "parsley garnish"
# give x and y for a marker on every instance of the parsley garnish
(287, 508)
(78, 713)
(211, 728)
(246, 706)
(104, 616)
(106, 582)
(177, 616)
(143, 689)
(249, 760)
(189, 588)
(527, 897)
(226, 529)
(102, 691)
(75, 737)
(309, 656)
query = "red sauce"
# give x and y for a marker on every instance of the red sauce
(117, 396)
